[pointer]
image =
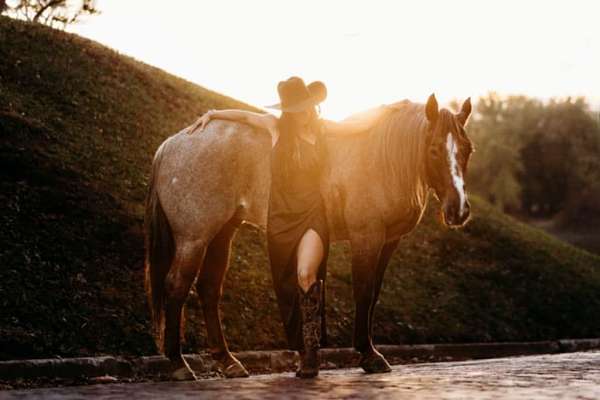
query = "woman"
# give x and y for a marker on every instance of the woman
(297, 233)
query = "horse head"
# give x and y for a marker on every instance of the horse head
(448, 153)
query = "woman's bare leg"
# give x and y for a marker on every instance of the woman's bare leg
(309, 255)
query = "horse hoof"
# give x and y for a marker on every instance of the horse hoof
(183, 374)
(307, 374)
(235, 370)
(374, 363)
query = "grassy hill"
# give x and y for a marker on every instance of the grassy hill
(79, 124)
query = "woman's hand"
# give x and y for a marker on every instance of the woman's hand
(262, 121)
(201, 122)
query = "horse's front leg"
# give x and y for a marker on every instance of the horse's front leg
(366, 251)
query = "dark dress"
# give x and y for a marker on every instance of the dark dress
(295, 206)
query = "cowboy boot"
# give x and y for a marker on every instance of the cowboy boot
(323, 341)
(310, 306)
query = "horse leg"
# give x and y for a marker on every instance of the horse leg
(210, 287)
(187, 260)
(384, 259)
(365, 260)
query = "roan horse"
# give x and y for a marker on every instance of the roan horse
(203, 186)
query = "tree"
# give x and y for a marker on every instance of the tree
(498, 130)
(539, 159)
(562, 161)
(54, 13)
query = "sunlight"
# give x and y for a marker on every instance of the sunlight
(367, 53)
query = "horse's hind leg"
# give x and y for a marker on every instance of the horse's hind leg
(210, 287)
(187, 260)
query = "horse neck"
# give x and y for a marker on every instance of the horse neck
(399, 144)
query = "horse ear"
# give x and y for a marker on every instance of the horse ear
(431, 109)
(464, 113)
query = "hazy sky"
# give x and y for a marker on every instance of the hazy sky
(367, 52)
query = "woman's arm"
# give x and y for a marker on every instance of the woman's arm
(264, 121)
(356, 123)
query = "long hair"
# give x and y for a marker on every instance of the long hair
(289, 137)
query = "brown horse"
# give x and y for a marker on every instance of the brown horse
(204, 186)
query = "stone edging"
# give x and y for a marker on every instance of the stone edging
(276, 360)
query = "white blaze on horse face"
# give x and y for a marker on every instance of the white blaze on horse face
(457, 179)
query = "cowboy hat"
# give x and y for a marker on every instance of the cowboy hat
(295, 96)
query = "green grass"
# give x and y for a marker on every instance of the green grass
(79, 124)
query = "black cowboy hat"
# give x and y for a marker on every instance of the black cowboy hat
(295, 96)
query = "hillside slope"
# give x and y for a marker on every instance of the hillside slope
(79, 124)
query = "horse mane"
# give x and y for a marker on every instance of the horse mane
(400, 137)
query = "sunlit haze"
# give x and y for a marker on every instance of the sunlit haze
(367, 52)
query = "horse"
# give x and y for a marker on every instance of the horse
(375, 188)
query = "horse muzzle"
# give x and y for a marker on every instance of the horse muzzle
(454, 215)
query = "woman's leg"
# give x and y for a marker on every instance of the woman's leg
(309, 255)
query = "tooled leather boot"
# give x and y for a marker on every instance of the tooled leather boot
(310, 306)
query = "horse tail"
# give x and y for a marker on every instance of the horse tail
(160, 250)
